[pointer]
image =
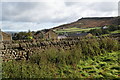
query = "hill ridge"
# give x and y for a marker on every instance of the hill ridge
(85, 22)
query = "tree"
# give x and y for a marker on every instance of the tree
(113, 27)
(23, 35)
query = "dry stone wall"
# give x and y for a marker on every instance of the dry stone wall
(23, 49)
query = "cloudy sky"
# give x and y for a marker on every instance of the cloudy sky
(36, 15)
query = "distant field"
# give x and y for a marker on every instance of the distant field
(75, 29)
(113, 32)
(117, 31)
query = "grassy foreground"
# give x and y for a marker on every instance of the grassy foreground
(103, 66)
(89, 59)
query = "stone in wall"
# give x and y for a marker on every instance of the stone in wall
(15, 45)
(1, 46)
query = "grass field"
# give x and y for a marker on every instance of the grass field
(117, 31)
(75, 29)
(103, 66)
(113, 32)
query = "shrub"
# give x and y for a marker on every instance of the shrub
(109, 44)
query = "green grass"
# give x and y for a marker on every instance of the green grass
(91, 58)
(74, 29)
(90, 68)
(113, 32)
(117, 31)
(105, 35)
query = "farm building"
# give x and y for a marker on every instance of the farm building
(38, 35)
(49, 34)
(5, 37)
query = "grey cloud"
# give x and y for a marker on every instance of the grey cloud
(30, 12)
(11, 10)
(96, 6)
(72, 3)
(104, 6)
(54, 12)
(119, 8)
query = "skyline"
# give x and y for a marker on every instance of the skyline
(35, 16)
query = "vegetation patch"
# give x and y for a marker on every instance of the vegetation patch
(89, 59)
(75, 29)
